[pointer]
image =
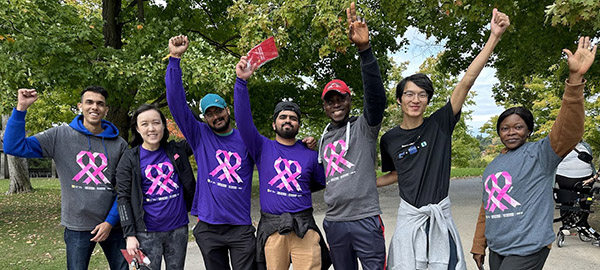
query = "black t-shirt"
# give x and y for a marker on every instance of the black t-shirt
(421, 157)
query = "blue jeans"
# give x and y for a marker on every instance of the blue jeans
(80, 248)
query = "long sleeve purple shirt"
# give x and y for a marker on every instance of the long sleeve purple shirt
(285, 172)
(225, 168)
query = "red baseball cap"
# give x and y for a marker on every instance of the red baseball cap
(336, 85)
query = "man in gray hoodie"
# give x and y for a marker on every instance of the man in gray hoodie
(348, 151)
(86, 153)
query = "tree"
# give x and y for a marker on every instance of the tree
(120, 44)
(539, 30)
(17, 170)
(545, 108)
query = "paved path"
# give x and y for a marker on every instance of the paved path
(465, 195)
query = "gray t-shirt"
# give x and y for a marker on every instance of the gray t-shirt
(351, 190)
(517, 198)
(86, 167)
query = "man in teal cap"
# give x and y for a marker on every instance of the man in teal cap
(222, 198)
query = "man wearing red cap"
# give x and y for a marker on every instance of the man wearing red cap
(348, 152)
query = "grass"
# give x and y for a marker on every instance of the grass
(465, 172)
(31, 235)
(30, 232)
(456, 172)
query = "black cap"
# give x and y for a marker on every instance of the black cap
(286, 106)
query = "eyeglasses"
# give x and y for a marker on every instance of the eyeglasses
(411, 95)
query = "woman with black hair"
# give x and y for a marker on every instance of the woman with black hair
(517, 205)
(155, 190)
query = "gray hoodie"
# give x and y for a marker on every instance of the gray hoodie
(86, 165)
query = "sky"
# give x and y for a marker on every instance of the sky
(420, 48)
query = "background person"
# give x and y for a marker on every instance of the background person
(577, 168)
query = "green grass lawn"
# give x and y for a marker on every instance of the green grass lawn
(30, 232)
(465, 172)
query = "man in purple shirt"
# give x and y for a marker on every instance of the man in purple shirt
(287, 171)
(222, 198)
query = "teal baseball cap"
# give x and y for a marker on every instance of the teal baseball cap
(212, 100)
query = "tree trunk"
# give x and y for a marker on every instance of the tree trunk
(4, 166)
(19, 176)
(112, 27)
(54, 173)
(140, 10)
(17, 170)
(119, 116)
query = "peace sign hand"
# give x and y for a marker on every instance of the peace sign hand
(358, 32)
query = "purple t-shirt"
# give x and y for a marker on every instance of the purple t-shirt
(225, 168)
(285, 172)
(163, 198)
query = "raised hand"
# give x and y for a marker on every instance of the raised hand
(26, 97)
(358, 32)
(242, 70)
(178, 45)
(582, 60)
(499, 23)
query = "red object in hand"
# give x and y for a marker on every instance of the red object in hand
(263, 53)
(136, 260)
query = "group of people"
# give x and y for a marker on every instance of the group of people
(150, 187)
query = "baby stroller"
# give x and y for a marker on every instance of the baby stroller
(574, 205)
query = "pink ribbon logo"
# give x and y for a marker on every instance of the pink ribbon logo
(162, 179)
(286, 174)
(90, 169)
(496, 200)
(225, 166)
(334, 159)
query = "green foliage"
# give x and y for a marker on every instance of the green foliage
(313, 49)
(528, 48)
(58, 48)
(570, 13)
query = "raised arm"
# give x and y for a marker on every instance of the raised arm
(176, 99)
(567, 130)
(499, 23)
(242, 110)
(374, 92)
(15, 141)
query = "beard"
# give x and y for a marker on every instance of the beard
(286, 133)
(220, 129)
